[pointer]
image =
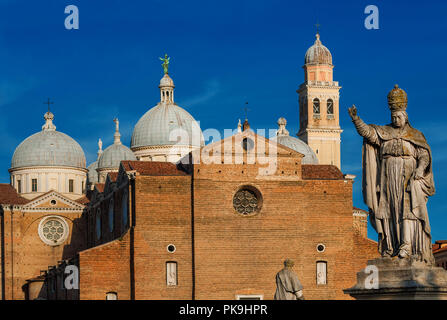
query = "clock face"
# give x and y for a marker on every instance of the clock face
(248, 144)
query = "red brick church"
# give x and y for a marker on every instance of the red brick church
(185, 220)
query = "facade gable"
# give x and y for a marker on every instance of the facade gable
(52, 201)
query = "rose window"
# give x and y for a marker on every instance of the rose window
(246, 201)
(53, 230)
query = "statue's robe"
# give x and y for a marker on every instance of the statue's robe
(287, 285)
(396, 201)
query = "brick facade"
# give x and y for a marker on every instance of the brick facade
(220, 253)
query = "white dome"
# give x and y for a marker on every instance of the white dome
(162, 124)
(48, 148)
(114, 154)
(166, 124)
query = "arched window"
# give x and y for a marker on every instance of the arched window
(171, 273)
(124, 208)
(330, 107)
(98, 224)
(316, 106)
(111, 296)
(111, 215)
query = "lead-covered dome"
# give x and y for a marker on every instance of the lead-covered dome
(114, 154)
(166, 124)
(283, 137)
(48, 148)
(318, 53)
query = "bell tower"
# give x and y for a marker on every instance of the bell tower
(318, 104)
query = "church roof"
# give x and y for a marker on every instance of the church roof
(9, 195)
(321, 172)
(48, 148)
(153, 168)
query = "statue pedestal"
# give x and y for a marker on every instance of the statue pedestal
(399, 279)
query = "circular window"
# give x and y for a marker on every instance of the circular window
(171, 248)
(321, 247)
(247, 144)
(247, 201)
(53, 230)
(53, 202)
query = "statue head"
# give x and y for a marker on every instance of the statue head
(397, 99)
(399, 118)
(288, 263)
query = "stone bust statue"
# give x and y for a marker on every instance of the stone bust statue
(288, 287)
(397, 181)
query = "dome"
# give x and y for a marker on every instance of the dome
(164, 124)
(318, 53)
(92, 175)
(155, 127)
(282, 137)
(48, 148)
(114, 154)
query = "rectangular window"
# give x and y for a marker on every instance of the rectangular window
(70, 185)
(19, 186)
(34, 185)
(321, 272)
(171, 273)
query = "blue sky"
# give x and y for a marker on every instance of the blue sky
(223, 54)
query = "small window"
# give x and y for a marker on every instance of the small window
(124, 208)
(82, 186)
(171, 248)
(71, 185)
(19, 186)
(316, 104)
(321, 272)
(98, 224)
(111, 296)
(34, 185)
(111, 215)
(330, 107)
(171, 273)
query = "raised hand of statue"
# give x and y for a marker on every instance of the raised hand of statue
(353, 112)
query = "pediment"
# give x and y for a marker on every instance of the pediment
(255, 145)
(53, 201)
